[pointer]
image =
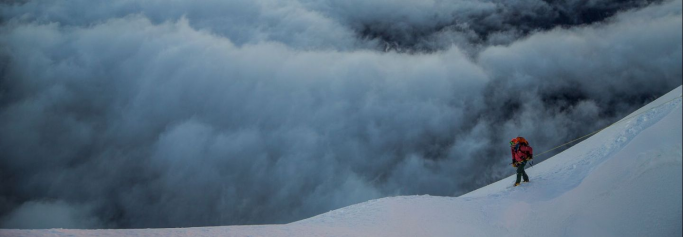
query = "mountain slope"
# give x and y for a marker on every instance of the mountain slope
(623, 181)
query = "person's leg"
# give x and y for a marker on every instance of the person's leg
(520, 171)
(526, 177)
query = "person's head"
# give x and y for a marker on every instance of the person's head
(513, 142)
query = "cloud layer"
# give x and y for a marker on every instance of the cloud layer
(169, 114)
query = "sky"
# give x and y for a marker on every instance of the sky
(147, 114)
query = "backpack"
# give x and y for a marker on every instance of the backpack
(523, 142)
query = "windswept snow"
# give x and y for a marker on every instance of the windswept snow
(623, 181)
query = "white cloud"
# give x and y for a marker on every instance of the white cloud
(183, 114)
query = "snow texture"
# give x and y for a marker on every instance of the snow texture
(623, 181)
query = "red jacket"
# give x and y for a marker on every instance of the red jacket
(520, 154)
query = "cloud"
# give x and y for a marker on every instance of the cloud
(171, 114)
(46, 215)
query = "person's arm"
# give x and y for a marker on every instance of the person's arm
(512, 150)
(513, 154)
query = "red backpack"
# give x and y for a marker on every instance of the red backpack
(523, 142)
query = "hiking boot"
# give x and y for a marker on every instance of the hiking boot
(525, 181)
(516, 184)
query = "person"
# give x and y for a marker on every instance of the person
(521, 153)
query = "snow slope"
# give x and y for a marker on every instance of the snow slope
(623, 181)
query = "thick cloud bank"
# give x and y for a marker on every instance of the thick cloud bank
(121, 114)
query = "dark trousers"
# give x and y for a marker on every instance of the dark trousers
(521, 172)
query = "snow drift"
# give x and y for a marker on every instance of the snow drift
(623, 181)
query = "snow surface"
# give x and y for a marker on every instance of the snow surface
(623, 181)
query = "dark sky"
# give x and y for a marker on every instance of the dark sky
(145, 114)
